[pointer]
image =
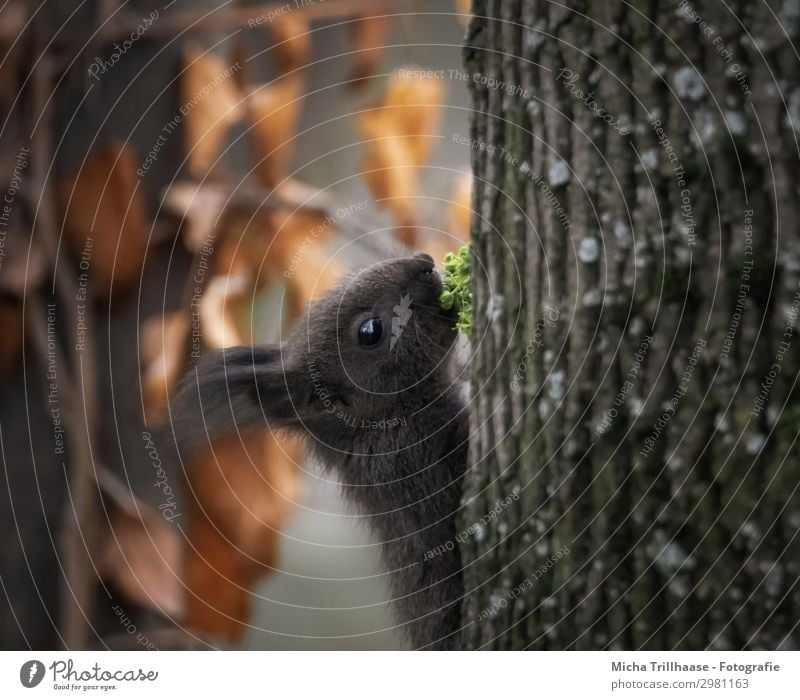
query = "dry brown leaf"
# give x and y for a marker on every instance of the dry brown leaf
(461, 207)
(301, 195)
(212, 104)
(411, 108)
(245, 490)
(392, 177)
(293, 232)
(400, 135)
(221, 308)
(292, 42)
(298, 256)
(143, 557)
(238, 222)
(23, 262)
(105, 221)
(261, 241)
(242, 242)
(247, 483)
(273, 111)
(163, 348)
(218, 583)
(318, 275)
(200, 209)
(369, 36)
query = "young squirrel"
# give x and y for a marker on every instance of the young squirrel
(368, 377)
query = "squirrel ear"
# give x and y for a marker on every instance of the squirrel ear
(234, 389)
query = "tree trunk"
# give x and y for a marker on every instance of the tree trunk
(636, 282)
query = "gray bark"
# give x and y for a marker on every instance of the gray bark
(679, 515)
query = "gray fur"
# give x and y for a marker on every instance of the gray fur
(403, 474)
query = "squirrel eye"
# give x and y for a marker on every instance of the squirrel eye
(370, 332)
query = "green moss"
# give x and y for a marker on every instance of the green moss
(457, 291)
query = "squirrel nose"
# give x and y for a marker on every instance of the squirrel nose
(427, 259)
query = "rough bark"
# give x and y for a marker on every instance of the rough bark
(651, 300)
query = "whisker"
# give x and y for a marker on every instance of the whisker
(431, 311)
(437, 345)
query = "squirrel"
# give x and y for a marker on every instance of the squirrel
(368, 377)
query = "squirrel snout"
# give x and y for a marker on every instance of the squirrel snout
(422, 264)
(426, 285)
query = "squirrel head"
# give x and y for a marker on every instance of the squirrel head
(380, 335)
(373, 348)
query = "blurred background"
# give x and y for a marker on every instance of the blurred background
(188, 175)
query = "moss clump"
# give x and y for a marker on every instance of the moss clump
(457, 292)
